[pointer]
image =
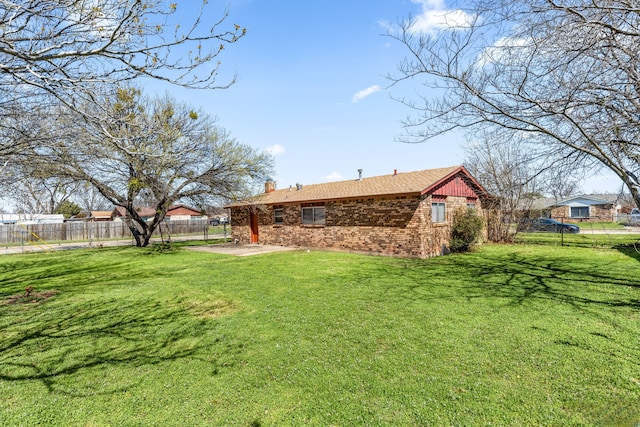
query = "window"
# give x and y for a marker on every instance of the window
(471, 205)
(438, 212)
(313, 215)
(278, 216)
(580, 212)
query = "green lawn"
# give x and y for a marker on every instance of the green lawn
(510, 335)
(581, 240)
(586, 226)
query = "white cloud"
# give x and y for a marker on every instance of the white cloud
(435, 17)
(366, 92)
(501, 49)
(334, 176)
(274, 150)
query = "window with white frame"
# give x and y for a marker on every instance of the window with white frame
(438, 212)
(579, 211)
(313, 215)
(278, 216)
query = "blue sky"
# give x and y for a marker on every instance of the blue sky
(311, 89)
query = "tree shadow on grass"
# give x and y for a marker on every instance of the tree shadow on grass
(554, 305)
(631, 250)
(74, 270)
(522, 279)
(62, 344)
(18, 271)
(514, 279)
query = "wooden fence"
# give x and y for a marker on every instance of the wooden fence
(91, 231)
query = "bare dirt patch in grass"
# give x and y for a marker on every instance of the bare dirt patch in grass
(30, 296)
(210, 309)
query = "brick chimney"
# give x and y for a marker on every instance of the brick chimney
(269, 186)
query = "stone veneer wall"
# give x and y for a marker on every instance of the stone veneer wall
(399, 226)
(597, 213)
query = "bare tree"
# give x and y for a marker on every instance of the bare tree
(67, 51)
(152, 149)
(56, 46)
(89, 199)
(564, 73)
(518, 174)
(34, 194)
(17, 133)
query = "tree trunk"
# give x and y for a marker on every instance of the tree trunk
(141, 236)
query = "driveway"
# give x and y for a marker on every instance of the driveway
(584, 229)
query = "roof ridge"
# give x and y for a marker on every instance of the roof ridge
(414, 182)
(373, 177)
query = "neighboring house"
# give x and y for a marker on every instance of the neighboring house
(31, 219)
(585, 208)
(402, 214)
(182, 212)
(175, 212)
(100, 216)
(120, 213)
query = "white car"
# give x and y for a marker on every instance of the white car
(634, 216)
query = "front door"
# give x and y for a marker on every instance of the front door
(253, 225)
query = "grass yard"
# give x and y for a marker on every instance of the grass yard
(587, 226)
(510, 335)
(582, 240)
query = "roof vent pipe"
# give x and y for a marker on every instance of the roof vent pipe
(359, 174)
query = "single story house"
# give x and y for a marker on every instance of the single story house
(400, 214)
(146, 213)
(175, 212)
(182, 212)
(585, 208)
(100, 216)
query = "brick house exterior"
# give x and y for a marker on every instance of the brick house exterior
(403, 214)
(584, 209)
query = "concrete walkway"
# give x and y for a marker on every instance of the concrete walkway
(240, 250)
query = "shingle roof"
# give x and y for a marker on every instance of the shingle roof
(595, 198)
(401, 183)
(101, 214)
(142, 211)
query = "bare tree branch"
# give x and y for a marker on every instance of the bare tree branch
(565, 74)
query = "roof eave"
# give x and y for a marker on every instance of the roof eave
(318, 200)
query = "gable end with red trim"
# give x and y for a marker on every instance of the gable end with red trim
(458, 185)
